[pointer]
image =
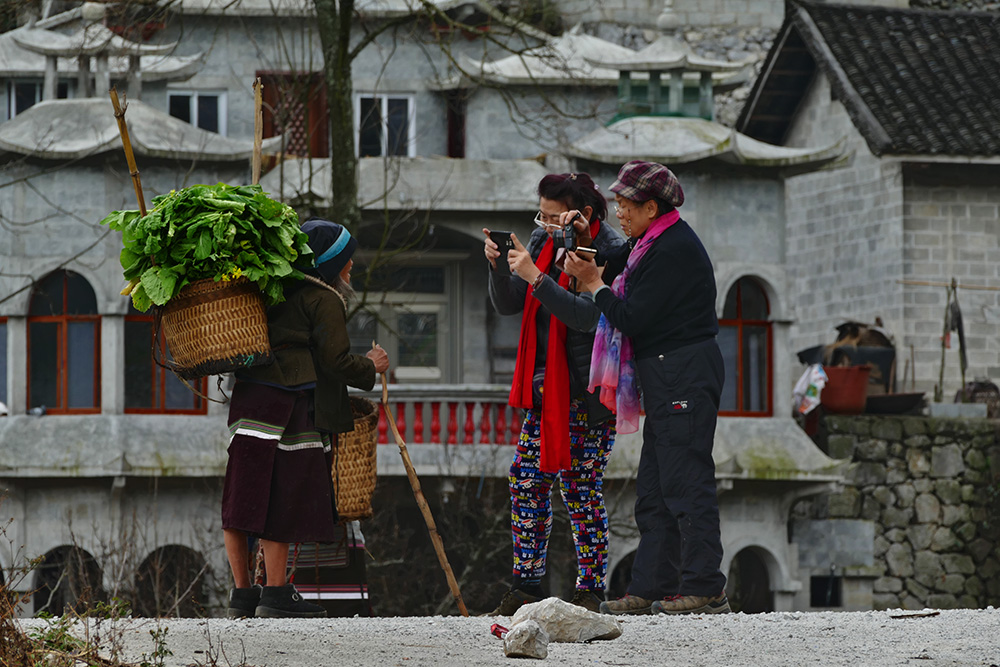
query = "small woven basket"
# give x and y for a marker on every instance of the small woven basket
(354, 457)
(215, 327)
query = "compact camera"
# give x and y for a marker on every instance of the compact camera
(565, 237)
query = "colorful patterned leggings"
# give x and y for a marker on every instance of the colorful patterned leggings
(531, 504)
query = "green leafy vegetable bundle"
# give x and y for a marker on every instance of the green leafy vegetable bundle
(218, 231)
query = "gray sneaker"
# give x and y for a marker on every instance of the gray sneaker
(630, 604)
(693, 604)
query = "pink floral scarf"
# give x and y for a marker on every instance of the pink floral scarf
(612, 364)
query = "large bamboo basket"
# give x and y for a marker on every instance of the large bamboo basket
(354, 455)
(215, 327)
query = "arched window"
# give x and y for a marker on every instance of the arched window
(67, 578)
(171, 581)
(150, 388)
(64, 345)
(745, 340)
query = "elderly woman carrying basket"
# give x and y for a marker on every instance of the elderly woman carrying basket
(658, 318)
(282, 421)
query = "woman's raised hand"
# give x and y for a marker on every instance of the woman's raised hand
(583, 268)
(490, 249)
(580, 224)
(520, 261)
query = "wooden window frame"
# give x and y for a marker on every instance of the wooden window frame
(62, 373)
(159, 381)
(739, 324)
(62, 333)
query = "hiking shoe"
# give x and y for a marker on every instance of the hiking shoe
(243, 601)
(588, 599)
(285, 602)
(693, 604)
(630, 604)
(513, 600)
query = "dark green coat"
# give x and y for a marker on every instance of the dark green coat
(308, 334)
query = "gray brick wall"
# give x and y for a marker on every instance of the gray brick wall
(951, 231)
(844, 230)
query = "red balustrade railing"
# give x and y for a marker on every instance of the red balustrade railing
(458, 414)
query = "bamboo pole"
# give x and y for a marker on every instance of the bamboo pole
(258, 129)
(127, 145)
(421, 501)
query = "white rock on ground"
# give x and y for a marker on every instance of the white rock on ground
(526, 640)
(961, 637)
(565, 622)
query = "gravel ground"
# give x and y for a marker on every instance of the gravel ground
(957, 637)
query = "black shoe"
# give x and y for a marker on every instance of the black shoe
(513, 600)
(588, 599)
(243, 601)
(285, 602)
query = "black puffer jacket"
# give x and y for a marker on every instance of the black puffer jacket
(579, 313)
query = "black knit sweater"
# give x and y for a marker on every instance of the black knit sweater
(670, 295)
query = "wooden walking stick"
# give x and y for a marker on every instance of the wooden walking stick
(421, 501)
(127, 145)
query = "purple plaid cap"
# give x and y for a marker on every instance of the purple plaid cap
(640, 181)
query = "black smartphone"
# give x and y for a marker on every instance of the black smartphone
(502, 239)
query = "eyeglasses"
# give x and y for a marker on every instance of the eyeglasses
(540, 221)
(620, 209)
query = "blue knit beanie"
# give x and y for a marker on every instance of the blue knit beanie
(332, 245)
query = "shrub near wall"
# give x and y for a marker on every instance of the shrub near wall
(930, 487)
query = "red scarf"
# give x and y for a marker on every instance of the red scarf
(555, 445)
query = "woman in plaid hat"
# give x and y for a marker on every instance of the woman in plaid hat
(567, 434)
(658, 321)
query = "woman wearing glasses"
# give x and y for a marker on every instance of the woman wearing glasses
(566, 433)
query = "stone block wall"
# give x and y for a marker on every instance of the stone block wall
(929, 488)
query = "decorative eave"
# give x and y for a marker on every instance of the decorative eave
(17, 61)
(441, 184)
(303, 8)
(666, 53)
(563, 61)
(76, 128)
(93, 40)
(675, 140)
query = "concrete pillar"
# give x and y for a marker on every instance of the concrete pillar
(83, 88)
(676, 91)
(624, 91)
(653, 92)
(134, 84)
(102, 78)
(706, 101)
(50, 86)
(17, 365)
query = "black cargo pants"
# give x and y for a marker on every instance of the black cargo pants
(676, 508)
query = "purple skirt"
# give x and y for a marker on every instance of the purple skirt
(278, 485)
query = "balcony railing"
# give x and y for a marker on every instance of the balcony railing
(468, 414)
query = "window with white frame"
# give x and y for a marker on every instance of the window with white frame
(202, 108)
(24, 94)
(408, 314)
(385, 126)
